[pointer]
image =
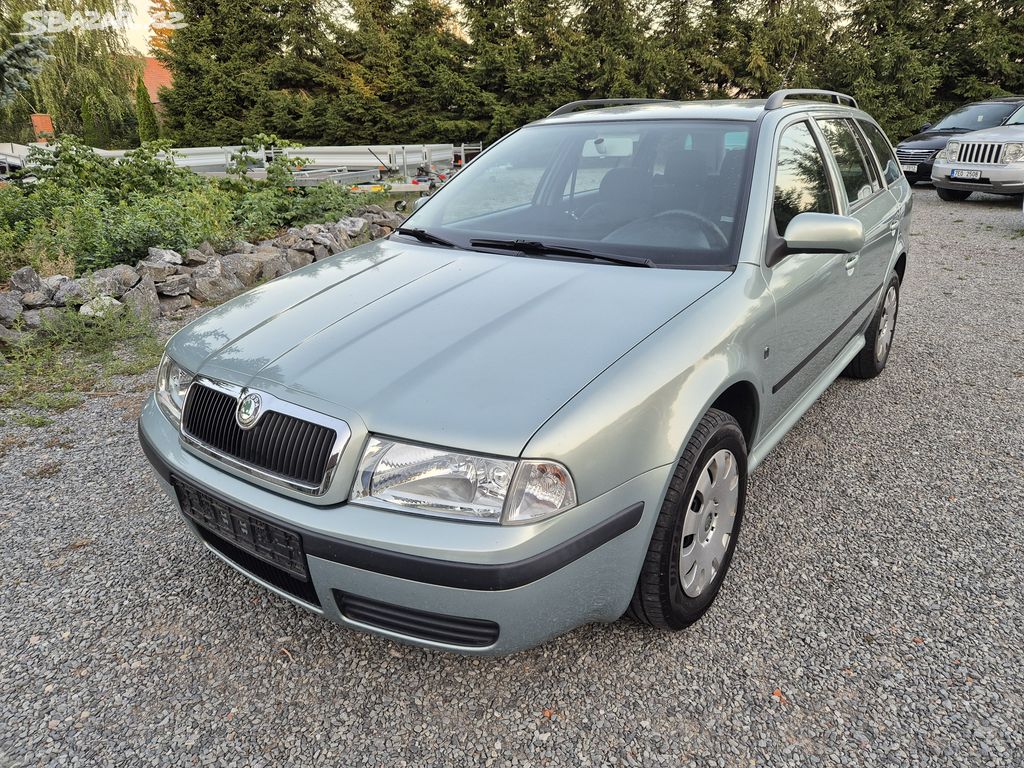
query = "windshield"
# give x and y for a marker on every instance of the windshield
(668, 191)
(974, 117)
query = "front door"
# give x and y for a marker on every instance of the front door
(812, 292)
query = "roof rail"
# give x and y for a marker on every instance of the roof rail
(572, 106)
(776, 99)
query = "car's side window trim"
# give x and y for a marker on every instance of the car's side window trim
(869, 153)
(861, 123)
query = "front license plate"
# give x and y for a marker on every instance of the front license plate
(960, 173)
(253, 534)
(909, 168)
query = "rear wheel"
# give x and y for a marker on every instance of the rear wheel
(697, 529)
(953, 195)
(871, 360)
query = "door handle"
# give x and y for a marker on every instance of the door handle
(851, 261)
(894, 225)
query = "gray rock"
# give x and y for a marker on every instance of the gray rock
(156, 270)
(320, 252)
(277, 266)
(143, 299)
(165, 254)
(9, 338)
(241, 246)
(175, 285)
(213, 283)
(26, 280)
(370, 209)
(69, 292)
(379, 230)
(101, 306)
(207, 249)
(171, 304)
(36, 299)
(244, 266)
(10, 308)
(112, 281)
(194, 256)
(353, 226)
(289, 240)
(54, 282)
(304, 245)
(297, 259)
(34, 319)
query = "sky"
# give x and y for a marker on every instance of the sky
(138, 33)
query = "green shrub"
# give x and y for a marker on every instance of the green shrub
(86, 212)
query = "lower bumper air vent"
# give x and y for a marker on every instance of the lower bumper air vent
(436, 627)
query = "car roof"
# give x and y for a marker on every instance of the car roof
(721, 109)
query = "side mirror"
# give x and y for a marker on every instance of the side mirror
(418, 202)
(925, 127)
(401, 205)
(823, 233)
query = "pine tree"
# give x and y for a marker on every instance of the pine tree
(149, 128)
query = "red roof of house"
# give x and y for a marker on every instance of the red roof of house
(155, 76)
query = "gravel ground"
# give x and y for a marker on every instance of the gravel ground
(873, 615)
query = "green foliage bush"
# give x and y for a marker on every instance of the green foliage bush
(85, 212)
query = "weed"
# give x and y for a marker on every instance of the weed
(46, 469)
(31, 420)
(73, 354)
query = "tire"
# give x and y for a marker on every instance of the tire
(707, 493)
(953, 195)
(871, 360)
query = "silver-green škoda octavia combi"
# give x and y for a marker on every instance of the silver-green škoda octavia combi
(536, 405)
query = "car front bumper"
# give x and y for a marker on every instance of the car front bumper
(996, 179)
(465, 587)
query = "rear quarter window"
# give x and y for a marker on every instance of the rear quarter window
(883, 151)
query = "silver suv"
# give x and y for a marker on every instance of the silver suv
(537, 403)
(990, 161)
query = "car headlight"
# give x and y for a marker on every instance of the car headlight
(952, 151)
(436, 481)
(1013, 152)
(172, 382)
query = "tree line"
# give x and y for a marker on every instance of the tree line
(390, 71)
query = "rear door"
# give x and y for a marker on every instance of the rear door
(865, 197)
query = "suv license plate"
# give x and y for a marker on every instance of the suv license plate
(909, 168)
(959, 173)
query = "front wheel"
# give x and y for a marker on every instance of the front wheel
(871, 360)
(697, 528)
(953, 195)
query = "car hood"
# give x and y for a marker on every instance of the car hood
(999, 133)
(438, 345)
(930, 139)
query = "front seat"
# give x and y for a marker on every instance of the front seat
(624, 195)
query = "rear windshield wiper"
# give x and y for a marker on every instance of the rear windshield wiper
(425, 237)
(532, 246)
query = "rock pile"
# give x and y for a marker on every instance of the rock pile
(167, 281)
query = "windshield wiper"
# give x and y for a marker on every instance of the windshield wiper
(425, 237)
(534, 247)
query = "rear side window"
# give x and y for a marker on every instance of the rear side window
(858, 180)
(801, 179)
(883, 151)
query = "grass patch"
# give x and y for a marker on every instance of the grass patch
(33, 420)
(49, 370)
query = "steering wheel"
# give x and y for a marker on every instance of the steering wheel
(715, 237)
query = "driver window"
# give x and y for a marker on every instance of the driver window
(801, 179)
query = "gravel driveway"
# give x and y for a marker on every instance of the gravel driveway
(874, 614)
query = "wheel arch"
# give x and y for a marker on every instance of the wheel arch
(901, 265)
(740, 400)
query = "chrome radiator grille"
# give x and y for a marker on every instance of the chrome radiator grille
(914, 155)
(982, 154)
(280, 448)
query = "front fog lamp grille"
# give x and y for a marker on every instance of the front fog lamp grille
(436, 627)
